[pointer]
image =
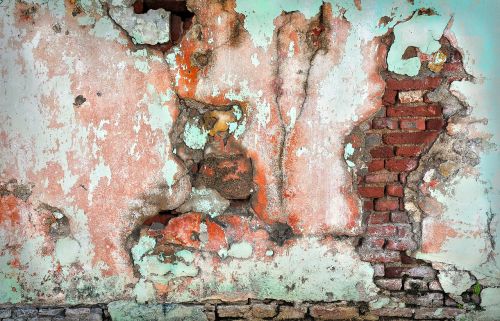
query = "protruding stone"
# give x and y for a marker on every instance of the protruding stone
(152, 27)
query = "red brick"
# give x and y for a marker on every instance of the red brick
(410, 138)
(435, 124)
(291, 312)
(368, 205)
(378, 218)
(180, 230)
(401, 165)
(437, 313)
(394, 312)
(389, 97)
(383, 205)
(413, 84)
(373, 243)
(408, 151)
(401, 244)
(382, 152)
(395, 190)
(383, 123)
(399, 217)
(405, 230)
(430, 299)
(381, 178)
(381, 230)
(413, 123)
(415, 285)
(380, 256)
(405, 259)
(232, 311)
(333, 312)
(452, 67)
(371, 191)
(264, 310)
(422, 111)
(376, 165)
(390, 284)
(395, 271)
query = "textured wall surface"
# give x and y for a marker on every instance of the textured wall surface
(337, 152)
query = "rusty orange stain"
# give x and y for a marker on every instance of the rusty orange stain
(436, 233)
(9, 211)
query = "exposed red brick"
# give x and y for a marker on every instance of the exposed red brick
(395, 271)
(413, 84)
(383, 123)
(413, 123)
(394, 312)
(408, 151)
(371, 191)
(264, 310)
(378, 218)
(381, 178)
(232, 311)
(381, 230)
(401, 244)
(435, 124)
(415, 285)
(368, 205)
(405, 259)
(291, 312)
(395, 190)
(376, 165)
(180, 230)
(390, 284)
(380, 256)
(382, 152)
(417, 111)
(333, 312)
(452, 67)
(373, 243)
(410, 138)
(437, 313)
(384, 205)
(399, 217)
(405, 230)
(401, 165)
(389, 97)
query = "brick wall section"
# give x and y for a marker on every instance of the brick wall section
(405, 127)
(248, 310)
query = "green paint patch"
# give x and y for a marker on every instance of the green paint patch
(241, 250)
(194, 136)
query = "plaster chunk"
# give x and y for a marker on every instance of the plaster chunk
(455, 282)
(152, 27)
(204, 200)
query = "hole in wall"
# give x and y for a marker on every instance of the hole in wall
(180, 17)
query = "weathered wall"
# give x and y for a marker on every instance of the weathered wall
(288, 150)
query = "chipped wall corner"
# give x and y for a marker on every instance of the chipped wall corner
(250, 160)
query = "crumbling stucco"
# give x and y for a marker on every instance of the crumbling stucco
(225, 165)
